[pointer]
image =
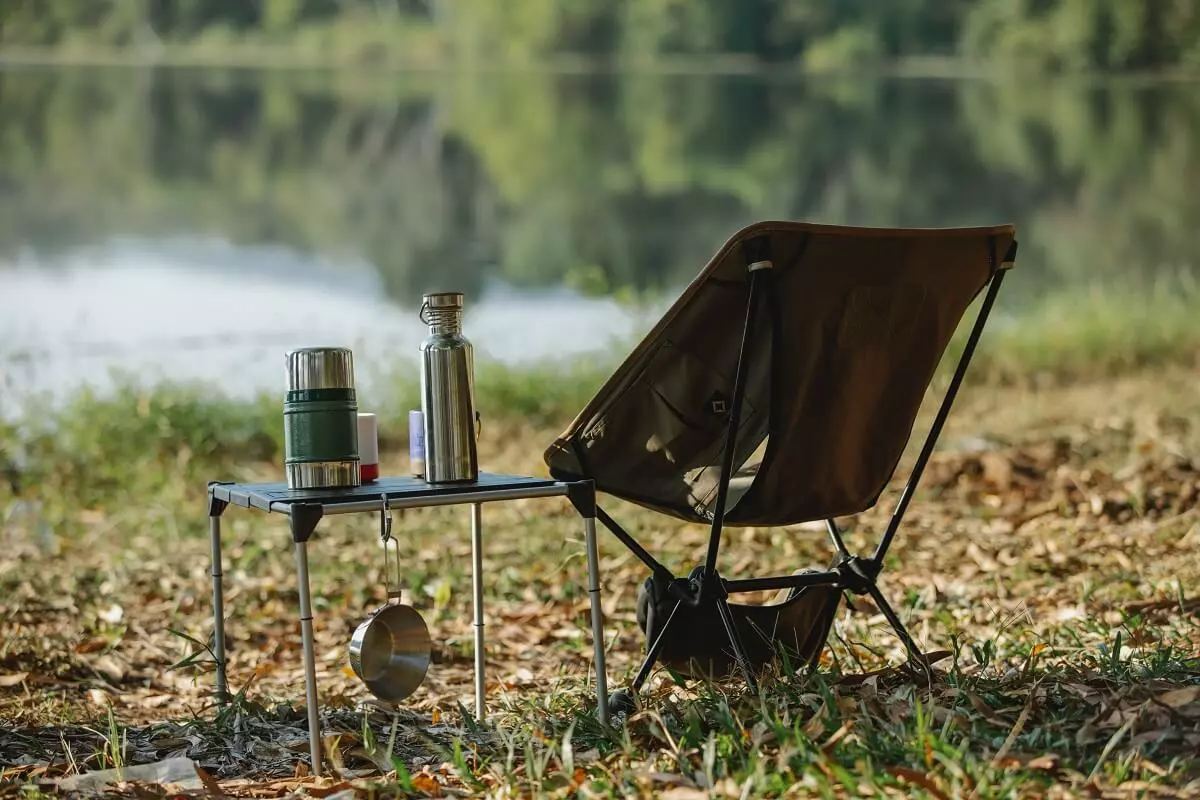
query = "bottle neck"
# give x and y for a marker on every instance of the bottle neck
(443, 321)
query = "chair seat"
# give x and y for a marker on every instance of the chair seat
(793, 629)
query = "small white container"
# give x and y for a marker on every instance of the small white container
(368, 447)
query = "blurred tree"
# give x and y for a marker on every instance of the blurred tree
(1085, 34)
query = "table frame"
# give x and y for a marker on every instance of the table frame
(305, 509)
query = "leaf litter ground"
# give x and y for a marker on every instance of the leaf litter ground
(1050, 558)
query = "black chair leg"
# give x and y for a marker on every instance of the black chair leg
(624, 700)
(735, 641)
(914, 653)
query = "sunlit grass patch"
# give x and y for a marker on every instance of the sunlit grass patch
(1091, 331)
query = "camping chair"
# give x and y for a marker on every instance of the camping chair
(780, 388)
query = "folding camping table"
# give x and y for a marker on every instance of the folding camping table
(305, 508)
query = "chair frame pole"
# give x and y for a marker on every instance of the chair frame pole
(655, 648)
(735, 415)
(710, 582)
(835, 536)
(634, 546)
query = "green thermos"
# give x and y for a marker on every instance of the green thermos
(320, 419)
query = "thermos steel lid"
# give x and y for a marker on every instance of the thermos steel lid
(443, 299)
(320, 368)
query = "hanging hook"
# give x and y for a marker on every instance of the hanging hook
(385, 536)
(385, 520)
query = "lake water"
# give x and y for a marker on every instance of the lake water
(196, 224)
(213, 312)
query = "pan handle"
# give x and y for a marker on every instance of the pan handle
(385, 535)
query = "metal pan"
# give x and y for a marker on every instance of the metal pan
(390, 652)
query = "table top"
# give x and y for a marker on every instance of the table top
(402, 491)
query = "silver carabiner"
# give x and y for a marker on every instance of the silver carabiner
(385, 536)
(385, 520)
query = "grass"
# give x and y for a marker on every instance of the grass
(1098, 331)
(1055, 567)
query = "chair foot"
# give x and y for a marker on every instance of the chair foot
(920, 670)
(622, 703)
(917, 662)
(735, 643)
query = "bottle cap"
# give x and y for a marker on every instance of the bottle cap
(443, 299)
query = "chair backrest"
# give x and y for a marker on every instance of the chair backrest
(850, 333)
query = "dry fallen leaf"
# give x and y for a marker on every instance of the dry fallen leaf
(837, 736)
(981, 707)
(919, 779)
(13, 679)
(109, 667)
(326, 791)
(1178, 698)
(684, 793)
(423, 782)
(1048, 762)
(210, 783)
(92, 645)
(816, 726)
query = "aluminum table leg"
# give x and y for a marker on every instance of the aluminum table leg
(593, 559)
(477, 603)
(310, 658)
(214, 528)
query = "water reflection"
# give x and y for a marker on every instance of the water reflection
(341, 196)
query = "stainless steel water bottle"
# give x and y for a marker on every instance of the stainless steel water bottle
(448, 392)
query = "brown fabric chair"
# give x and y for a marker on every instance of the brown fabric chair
(781, 387)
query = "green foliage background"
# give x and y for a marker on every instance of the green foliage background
(1054, 34)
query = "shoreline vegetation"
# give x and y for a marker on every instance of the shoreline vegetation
(923, 37)
(1068, 338)
(932, 69)
(251, 55)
